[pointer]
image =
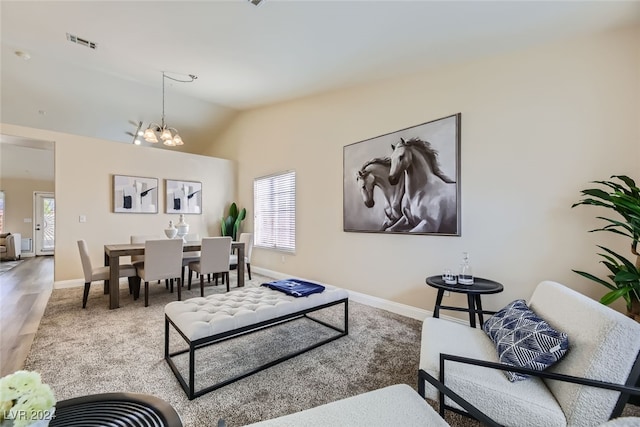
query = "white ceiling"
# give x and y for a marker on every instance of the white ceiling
(25, 159)
(247, 56)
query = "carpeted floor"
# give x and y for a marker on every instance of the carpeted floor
(97, 350)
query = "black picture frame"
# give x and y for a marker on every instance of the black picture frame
(382, 195)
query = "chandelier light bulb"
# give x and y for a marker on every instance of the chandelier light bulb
(178, 140)
(150, 135)
(166, 135)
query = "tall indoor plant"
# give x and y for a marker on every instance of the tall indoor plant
(622, 195)
(230, 225)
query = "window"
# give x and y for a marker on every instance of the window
(274, 205)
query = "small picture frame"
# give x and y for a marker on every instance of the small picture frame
(183, 197)
(135, 194)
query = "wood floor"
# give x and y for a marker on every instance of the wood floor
(24, 293)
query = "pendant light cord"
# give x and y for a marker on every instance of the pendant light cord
(192, 77)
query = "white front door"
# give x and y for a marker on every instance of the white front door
(45, 221)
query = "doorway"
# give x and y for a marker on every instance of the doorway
(45, 223)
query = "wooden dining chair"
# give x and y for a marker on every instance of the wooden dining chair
(162, 261)
(214, 259)
(100, 273)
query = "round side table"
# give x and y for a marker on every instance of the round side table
(480, 286)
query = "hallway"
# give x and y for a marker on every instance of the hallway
(24, 293)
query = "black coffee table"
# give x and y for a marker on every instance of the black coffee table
(480, 286)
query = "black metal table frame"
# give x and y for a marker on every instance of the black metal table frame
(189, 387)
(473, 301)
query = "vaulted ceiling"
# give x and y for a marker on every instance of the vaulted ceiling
(247, 56)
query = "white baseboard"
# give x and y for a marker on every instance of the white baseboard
(393, 307)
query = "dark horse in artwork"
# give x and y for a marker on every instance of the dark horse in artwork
(431, 195)
(375, 173)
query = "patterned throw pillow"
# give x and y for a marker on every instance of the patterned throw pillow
(525, 340)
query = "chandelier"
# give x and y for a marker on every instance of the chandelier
(161, 132)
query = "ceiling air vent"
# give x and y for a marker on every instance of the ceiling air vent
(81, 41)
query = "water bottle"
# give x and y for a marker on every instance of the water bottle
(465, 277)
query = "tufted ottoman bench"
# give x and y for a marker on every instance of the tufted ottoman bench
(205, 321)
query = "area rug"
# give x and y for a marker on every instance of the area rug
(80, 352)
(97, 350)
(8, 265)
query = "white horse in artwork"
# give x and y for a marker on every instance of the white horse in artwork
(375, 173)
(430, 193)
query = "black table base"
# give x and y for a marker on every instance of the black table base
(473, 292)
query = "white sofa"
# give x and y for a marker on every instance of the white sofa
(603, 345)
(10, 246)
(396, 405)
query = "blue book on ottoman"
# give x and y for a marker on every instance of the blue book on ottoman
(295, 287)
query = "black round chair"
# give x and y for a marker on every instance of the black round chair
(115, 409)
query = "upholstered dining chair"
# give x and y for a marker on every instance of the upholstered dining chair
(214, 258)
(247, 239)
(189, 257)
(162, 261)
(137, 259)
(100, 273)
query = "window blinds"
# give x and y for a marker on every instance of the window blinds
(274, 203)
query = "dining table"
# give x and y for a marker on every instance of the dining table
(113, 252)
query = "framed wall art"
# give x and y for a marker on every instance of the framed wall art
(135, 194)
(183, 197)
(407, 181)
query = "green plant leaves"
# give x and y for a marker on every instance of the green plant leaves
(624, 199)
(230, 226)
(233, 210)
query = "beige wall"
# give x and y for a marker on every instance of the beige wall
(83, 186)
(537, 126)
(19, 203)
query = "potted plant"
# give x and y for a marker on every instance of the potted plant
(230, 226)
(622, 195)
(25, 400)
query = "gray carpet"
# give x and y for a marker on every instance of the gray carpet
(80, 352)
(98, 350)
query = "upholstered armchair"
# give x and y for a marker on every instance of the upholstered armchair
(10, 246)
(461, 369)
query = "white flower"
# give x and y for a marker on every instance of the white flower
(24, 398)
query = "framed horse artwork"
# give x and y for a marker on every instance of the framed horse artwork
(407, 181)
